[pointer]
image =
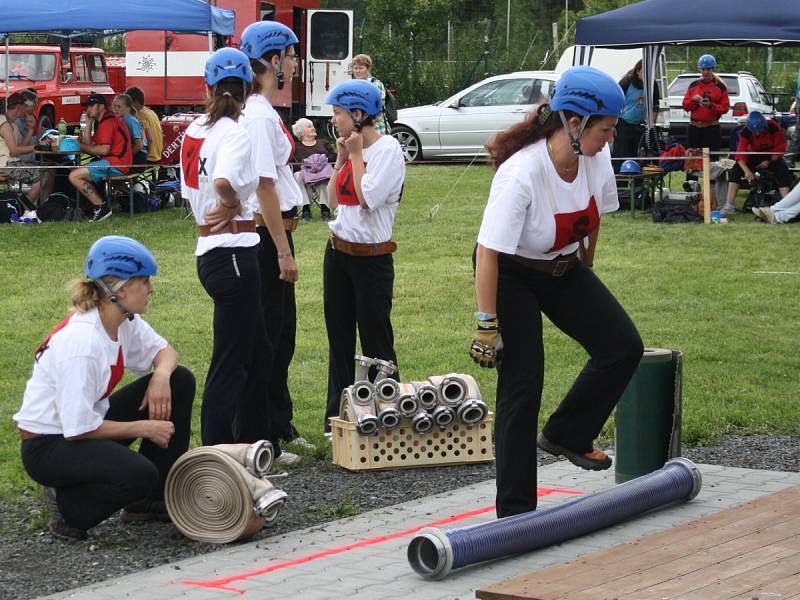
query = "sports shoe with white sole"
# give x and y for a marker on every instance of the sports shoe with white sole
(288, 458)
(100, 213)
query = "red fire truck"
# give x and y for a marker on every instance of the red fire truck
(169, 66)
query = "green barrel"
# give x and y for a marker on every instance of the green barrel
(648, 416)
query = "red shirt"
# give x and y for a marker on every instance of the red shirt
(772, 139)
(112, 131)
(715, 91)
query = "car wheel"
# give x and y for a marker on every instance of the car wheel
(409, 142)
(45, 121)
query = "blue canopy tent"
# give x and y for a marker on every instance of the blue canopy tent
(69, 18)
(651, 24)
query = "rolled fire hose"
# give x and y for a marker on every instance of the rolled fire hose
(211, 497)
(433, 553)
(407, 402)
(427, 394)
(356, 409)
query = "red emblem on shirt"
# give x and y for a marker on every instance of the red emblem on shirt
(574, 226)
(345, 186)
(191, 163)
(45, 344)
(117, 371)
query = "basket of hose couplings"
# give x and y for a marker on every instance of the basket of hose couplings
(386, 424)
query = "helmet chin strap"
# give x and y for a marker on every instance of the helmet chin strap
(574, 140)
(356, 123)
(279, 76)
(111, 294)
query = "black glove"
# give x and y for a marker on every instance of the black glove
(487, 345)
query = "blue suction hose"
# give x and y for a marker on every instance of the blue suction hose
(433, 553)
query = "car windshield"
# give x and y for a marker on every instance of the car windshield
(31, 66)
(681, 84)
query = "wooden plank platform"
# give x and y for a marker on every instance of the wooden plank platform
(746, 552)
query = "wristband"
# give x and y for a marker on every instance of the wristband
(485, 316)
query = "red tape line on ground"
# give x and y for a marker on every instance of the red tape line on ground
(222, 584)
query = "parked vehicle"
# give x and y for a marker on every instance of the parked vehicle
(460, 126)
(744, 90)
(62, 80)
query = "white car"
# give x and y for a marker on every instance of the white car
(744, 90)
(461, 125)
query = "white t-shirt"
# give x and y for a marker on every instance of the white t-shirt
(272, 151)
(381, 185)
(534, 213)
(221, 151)
(76, 371)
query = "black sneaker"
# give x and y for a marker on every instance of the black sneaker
(99, 213)
(306, 214)
(145, 510)
(326, 214)
(58, 527)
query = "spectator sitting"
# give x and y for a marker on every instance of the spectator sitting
(783, 211)
(11, 151)
(314, 170)
(107, 138)
(26, 126)
(150, 124)
(123, 108)
(759, 135)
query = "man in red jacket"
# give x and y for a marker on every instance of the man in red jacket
(706, 100)
(759, 135)
(111, 143)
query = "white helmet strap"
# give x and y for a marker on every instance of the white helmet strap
(111, 294)
(574, 140)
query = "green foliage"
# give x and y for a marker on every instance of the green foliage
(340, 510)
(724, 295)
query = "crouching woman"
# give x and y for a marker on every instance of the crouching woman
(75, 429)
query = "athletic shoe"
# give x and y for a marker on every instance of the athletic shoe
(99, 213)
(329, 436)
(326, 214)
(757, 212)
(596, 460)
(728, 209)
(288, 458)
(58, 527)
(306, 213)
(303, 443)
(768, 215)
(145, 510)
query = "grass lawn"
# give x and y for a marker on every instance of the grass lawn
(724, 294)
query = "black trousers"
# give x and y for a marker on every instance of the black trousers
(582, 307)
(704, 137)
(357, 294)
(626, 144)
(95, 478)
(280, 317)
(778, 168)
(235, 395)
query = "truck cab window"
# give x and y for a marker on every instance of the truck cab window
(330, 39)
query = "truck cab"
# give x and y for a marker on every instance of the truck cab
(62, 81)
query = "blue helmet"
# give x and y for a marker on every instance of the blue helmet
(228, 62)
(119, 256)
(357, 94)
(707, 61)
(69, 145)
(266, 36)
(588, 92)
(756, 122)
(630, 167)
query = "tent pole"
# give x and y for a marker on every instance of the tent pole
(706, 186)
(8, 61)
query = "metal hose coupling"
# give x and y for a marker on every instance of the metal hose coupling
(455, 388)
(472, 411)
(354, 409)
(422, 422)
(427, 394)
(257, 457)
(443, 415)
(388, 414)
(407, 402)
(363, 365)
(211, 497)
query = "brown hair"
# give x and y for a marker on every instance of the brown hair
(227, 99)
(136, 94)
(363, 59)
(128, 102)
(14, 100)
(260, 68)
(540, 123)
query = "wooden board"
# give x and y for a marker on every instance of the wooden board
(748, 551)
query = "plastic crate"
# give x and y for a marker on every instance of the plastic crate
(401, 447)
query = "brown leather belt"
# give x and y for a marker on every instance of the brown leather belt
(354, 249)
(27, 435)
(557, 267)
(289, 224)
(231, 227)
(703, 124)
